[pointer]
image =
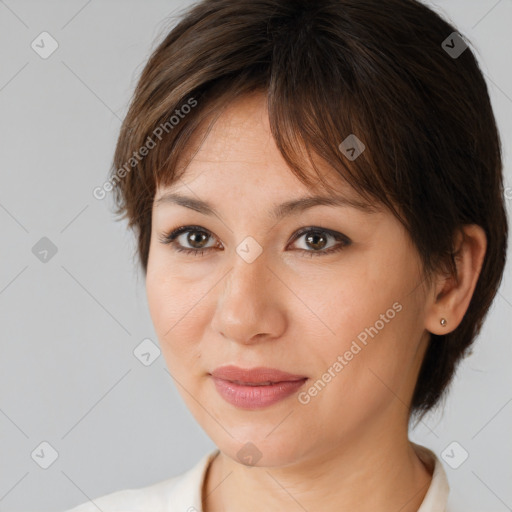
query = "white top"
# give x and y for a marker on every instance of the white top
(182, 493)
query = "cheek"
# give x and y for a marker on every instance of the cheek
(162, 303)
(167, 295)
(175, 308)
(373, 319)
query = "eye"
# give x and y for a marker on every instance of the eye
(317, 238)
(196, 237)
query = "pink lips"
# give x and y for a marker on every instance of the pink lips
(255, 388)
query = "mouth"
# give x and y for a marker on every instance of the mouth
(269, 383)
(258, 376)
(255, 388)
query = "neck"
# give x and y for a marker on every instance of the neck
(380, 471)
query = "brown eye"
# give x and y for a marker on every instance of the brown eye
(196, 238)
(193, 240)
(317, 239)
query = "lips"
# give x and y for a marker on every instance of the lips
(255, 388)
(259, 376)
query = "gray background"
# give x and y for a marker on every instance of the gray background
(69, 326)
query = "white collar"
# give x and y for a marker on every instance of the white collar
(437, 495)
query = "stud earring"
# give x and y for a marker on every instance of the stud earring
(443, 322)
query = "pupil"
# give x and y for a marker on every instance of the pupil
(192, 239)
(312, 237)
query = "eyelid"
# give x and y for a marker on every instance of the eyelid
(309, 229)
(170, 237)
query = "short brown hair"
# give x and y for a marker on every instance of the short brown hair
(331, 68)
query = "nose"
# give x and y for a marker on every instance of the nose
(251, 306)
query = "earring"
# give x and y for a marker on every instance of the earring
(443, 322)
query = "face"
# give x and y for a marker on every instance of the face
(331, 293)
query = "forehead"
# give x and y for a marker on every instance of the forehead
(239, 135)
(236, 151)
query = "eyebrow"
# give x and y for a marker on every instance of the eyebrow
(278, 212)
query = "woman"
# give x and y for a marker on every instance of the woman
(316, 190)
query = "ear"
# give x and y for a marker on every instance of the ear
(451, 295)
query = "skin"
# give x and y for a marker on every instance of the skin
(297, 312)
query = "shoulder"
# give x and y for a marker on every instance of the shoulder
(165, 496)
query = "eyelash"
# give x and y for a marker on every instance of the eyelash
(169, 237)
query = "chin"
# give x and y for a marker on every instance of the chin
(261, 449)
